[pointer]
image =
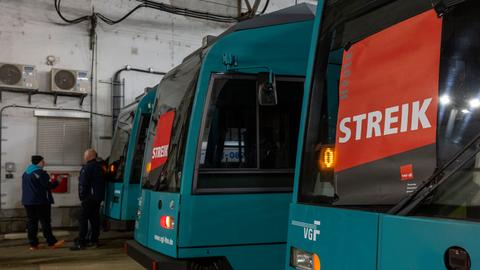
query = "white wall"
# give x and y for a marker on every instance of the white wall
(30, 30)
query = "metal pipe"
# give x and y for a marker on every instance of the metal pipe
(93, 86)
(116, 90)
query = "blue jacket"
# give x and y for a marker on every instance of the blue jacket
(36, 186)
(91, 183)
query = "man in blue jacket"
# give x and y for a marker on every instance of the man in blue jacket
(37, 199)
(91, 192)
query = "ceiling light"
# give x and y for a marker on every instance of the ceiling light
(445, 100)
(474, 103)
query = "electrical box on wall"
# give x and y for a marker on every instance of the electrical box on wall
(17, 76)
(70, 81)
(10, 167)
(62, 178)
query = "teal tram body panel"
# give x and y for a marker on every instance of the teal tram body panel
(414, 207)
(327, 231)
(232, 216)
(426, 239)
(350, 239)
(142, 221)
(161, 204)
(123, 187)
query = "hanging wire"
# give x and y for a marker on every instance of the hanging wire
(75, 21)
(157, 6)
(266, 5)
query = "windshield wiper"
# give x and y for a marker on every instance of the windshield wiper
(410, 202)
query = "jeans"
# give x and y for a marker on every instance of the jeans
(90, 213)
(42, 213)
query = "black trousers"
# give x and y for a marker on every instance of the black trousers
(90, 213)
(42, 213)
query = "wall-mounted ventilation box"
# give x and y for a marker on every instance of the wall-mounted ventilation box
(18, 76)
(70, 81)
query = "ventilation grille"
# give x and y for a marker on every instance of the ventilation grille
(10, 74)
(62, 141)
(65, 80)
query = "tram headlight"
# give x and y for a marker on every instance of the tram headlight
(303, 260)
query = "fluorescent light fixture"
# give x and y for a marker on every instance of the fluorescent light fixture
(465, 111)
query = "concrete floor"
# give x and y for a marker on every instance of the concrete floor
(14, 254)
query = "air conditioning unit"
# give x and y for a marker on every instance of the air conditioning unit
(16, 76)
(70, 81)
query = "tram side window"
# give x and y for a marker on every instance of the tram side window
(279, 126)
(120, 146)
(459, 122)
(139, 150)
(229, 139)
(245, 145)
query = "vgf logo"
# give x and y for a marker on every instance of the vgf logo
(310, 230)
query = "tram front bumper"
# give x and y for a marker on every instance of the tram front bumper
(153, 260)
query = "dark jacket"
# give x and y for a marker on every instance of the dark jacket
(36, 186)
(91, 183)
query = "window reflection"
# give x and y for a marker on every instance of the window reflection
(459, 108)
(120, 143)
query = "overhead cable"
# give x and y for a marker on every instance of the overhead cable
(157, 6)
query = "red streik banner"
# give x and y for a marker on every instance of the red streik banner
(389, 92)
(162, 139)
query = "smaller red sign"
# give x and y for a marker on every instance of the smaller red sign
(62, 178)
(161, 142)
(406, 172)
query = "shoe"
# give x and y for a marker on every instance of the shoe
(58, 244)
(76, 247)
(37, 247)
(93, 244)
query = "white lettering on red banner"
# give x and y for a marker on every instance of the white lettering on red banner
(388, 93)
(393, 120)
(161, 142)
(160, 152)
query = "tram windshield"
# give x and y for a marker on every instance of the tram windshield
(394, 96)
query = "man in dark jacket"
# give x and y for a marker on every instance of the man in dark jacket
(91, 192)
(37, 199)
